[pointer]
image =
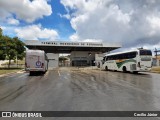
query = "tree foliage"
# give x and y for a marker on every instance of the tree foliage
(11, 48)
(62, 58)
(19, 47)
(2, 47)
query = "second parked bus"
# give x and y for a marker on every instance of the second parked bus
(135, 61)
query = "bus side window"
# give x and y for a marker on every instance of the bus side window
(112, 57)
(115, 57)
(106, 58)
(127, 55)
(109, 58)
(122, 56)
(118, 57)
(134, 54)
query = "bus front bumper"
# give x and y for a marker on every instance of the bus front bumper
(34, 69)
(144, 69)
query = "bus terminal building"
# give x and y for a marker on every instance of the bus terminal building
(81, 53)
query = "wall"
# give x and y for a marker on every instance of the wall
(4, 61)
(98, 59)
(53, 60)
(79, 56)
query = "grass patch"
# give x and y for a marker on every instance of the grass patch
(155, 69)
(7, 70)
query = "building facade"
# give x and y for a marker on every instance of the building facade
(81, 53)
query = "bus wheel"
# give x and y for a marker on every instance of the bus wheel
(43, 72)
(106, 68)
(124, 69)
(31, 73)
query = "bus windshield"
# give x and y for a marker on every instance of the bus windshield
(145, 52)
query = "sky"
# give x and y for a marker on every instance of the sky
(132, 23)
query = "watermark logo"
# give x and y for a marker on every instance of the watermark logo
(38, 63)
(6, 114)
(21, 114)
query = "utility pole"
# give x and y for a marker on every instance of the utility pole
(89, 54)
(156, 52)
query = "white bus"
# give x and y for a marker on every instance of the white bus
(36, 60)
(135, 61)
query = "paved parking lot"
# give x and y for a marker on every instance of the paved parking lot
(73, 89)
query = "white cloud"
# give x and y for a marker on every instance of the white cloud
(3, 27)
(13, 21)
(92, 40)
(74, 37)
(154, 22)
(67, 16)
(36, 32)
(26, 10)
(133, 23)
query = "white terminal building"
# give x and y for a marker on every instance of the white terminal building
(81, 53)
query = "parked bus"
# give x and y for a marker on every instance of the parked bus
(135, 61)
(36, 60)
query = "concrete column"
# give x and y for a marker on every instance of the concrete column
(53, 60)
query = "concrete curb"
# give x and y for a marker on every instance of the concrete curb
(155, 72)
(7, 74)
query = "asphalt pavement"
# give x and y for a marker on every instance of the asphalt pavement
(73, 89)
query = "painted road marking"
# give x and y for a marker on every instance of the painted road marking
(59, 73)
(21, 71)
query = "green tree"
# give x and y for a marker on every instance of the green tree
(62, 58)
(19, 48)
(11, 48)
(1, 32)
(2, 46)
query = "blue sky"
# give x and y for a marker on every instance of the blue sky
(53, 21)
(131, 23)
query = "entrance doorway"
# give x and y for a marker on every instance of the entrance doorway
(64, 60)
